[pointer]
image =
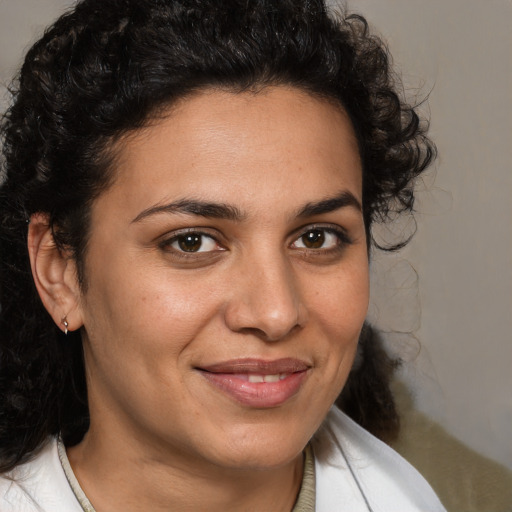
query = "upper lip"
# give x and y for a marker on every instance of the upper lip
(258, 366)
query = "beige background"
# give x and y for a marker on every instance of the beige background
(452, 286)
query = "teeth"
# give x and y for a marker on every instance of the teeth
(267, 378)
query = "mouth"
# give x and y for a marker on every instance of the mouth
(257, 383)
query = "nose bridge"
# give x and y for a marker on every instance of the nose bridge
(266, 297)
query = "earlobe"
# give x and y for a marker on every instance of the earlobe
(54, 274)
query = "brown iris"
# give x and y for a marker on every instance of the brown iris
(190, 243)
(313, 239)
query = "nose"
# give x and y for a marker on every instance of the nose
(266, 300)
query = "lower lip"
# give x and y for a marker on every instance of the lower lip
(257, 394)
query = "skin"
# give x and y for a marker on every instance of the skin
(152, 314)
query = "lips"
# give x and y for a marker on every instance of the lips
(257, 383)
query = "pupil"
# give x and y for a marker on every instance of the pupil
(314, 239)
(190, 243)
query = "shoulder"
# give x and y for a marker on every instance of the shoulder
(357, 470)
(39, 485)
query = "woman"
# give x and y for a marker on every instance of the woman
(186, 222)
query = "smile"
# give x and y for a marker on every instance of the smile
(257, 384)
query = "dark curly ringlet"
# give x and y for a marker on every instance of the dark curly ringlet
(110, 66)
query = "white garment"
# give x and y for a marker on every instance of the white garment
(38, 486)
(355, 472)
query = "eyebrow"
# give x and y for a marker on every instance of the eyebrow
(342, 200)
(230, 212)
(195, 207)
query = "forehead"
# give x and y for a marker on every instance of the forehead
(220, 145)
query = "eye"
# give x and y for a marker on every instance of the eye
(193, 243)
(320, 238)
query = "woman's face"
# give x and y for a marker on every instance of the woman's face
(227, 279)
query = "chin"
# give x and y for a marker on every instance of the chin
(262, 448)
(261, 459)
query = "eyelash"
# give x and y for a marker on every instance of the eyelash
(166, 244)
(342, 240)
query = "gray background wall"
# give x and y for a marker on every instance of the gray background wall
(461, 52)
(452, 286)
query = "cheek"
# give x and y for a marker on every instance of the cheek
(167, 314)
(140, 337)
(146, 315)
(341, 303)
(338, 311)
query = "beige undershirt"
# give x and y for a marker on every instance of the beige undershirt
(305, 500)
(307, 494)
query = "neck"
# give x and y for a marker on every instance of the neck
(119, 477)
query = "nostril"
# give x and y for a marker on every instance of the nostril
(269, 336)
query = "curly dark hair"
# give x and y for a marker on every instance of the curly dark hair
(109, 66)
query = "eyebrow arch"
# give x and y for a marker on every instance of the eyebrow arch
(342, 200)
(194, 207)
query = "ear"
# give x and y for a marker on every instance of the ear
(54, 274)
